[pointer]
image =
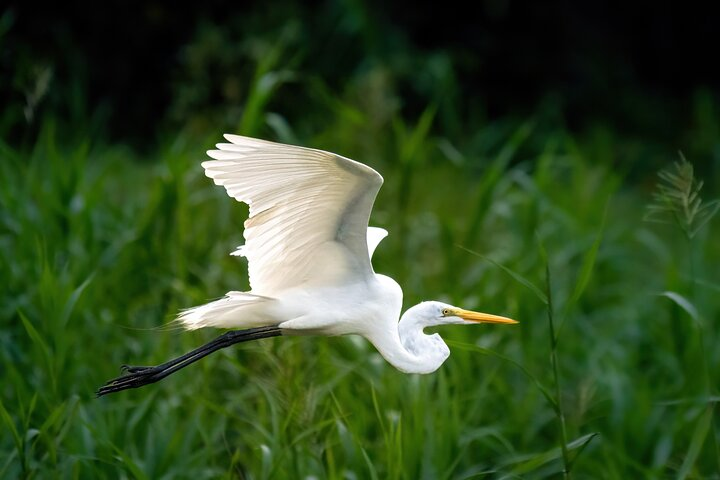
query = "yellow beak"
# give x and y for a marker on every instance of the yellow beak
(482, 317)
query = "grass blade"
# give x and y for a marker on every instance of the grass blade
(17, 439)
(73, 299)
(683, 303)
(584, 442)
(41, 344)
(516, 276)
(702, 427)
(371, 468)
(588, 263)
(492, 353)
(551, 455)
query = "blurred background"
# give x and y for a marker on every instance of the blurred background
(557, 162)
(133, 70)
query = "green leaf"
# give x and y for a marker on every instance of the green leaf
(486, 351)
(368, 462)
(14, 432)
(588, 262)
(553, 454)
(73, 299)
(701, 430)
(517, 139)
(584, 442)
(683, 303)
(519, 278)
(38, 340)
(134, 469)
(414, 141)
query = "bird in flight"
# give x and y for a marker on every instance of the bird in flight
(309, 251)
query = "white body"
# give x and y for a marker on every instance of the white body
(309, 249)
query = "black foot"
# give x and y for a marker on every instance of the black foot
(134, 377)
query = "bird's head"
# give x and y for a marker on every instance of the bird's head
(438, 313)
(428, 350)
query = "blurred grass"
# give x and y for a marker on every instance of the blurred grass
(101, 246)
(100, 249)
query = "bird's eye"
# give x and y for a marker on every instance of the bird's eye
(446, 311)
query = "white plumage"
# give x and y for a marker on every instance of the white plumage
(308, 246)
(307, 208)
(308, 225)
(309, 250)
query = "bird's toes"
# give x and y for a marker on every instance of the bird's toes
(133, 368)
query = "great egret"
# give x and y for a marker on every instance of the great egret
(309, 251)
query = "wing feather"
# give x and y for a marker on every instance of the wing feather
(309, 211)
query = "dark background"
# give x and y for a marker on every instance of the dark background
(121, 66)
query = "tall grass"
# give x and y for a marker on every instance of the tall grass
(678, 202)
(100, 248)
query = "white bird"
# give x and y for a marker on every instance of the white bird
(309, 251)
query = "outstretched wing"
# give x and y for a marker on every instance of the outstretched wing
(309, 211)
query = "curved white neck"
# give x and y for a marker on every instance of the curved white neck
(408, 349)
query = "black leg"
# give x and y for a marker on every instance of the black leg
(135, 376)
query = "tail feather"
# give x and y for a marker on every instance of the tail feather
(234, 310)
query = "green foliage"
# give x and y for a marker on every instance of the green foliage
(100, 247)
(678, 200)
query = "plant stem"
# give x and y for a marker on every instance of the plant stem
(556, 377)
(704, 357)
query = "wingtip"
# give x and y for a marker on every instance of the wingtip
(252, 142)
(214, 154)
(233, 138)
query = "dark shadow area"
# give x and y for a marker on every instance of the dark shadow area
(631, 65)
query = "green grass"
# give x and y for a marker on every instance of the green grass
(612, 373)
